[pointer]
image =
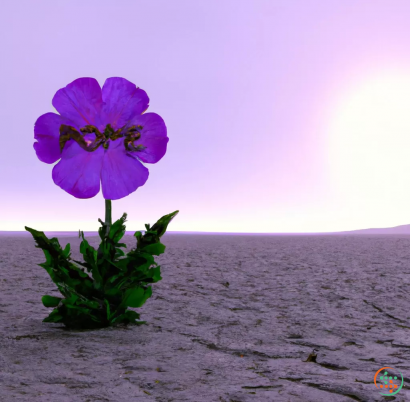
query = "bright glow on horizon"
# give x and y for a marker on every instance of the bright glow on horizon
(369, 150)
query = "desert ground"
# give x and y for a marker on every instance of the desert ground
(234, 319)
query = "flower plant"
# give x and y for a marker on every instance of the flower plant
(101, 136)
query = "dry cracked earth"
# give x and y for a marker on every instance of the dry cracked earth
(234, 319)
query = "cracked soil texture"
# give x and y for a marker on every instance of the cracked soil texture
(233, 320)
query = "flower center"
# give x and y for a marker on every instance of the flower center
(130, 134)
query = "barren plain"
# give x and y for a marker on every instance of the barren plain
(234, 319)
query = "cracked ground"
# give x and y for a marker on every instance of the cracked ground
(234, 319)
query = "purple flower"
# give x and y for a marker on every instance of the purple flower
(100, 135)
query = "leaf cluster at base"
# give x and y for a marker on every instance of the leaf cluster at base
(98, 291)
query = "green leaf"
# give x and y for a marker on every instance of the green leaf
(112, 292)
(113, 278)
(89, 253)
(155, 274)
(90, 256)
(128, 317)
(71, 300)
(57, 264)
(54, 316)
(119, 264)
(118, 280)
(66, 250)
(153, 234)
(86, 265)
(121, 283)
(82, 309)
(102, 230)
(119, 253)
(117, 229)
(131, 315)
(49, 259)
(136, 297)
(146, 256)
(154, 249)
(50, 301)
(161, 226)
(108, 309)
(90, 303)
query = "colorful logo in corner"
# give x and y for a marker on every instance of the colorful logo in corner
(388, 383)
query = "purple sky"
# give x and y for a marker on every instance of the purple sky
(283, 116)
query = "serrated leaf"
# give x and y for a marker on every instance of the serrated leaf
(97, 302)
(57, 264)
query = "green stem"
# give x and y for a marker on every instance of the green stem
(108, 216)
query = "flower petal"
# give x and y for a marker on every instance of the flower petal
(47, 133)
(122, 101)
(78, 171)
(80, 101)
(121, 173)
(153, 137)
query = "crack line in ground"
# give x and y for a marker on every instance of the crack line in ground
(323, 388)
(238, 352)
(387, 314)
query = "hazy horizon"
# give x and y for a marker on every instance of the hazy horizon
(282, 116)
(400, 230)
